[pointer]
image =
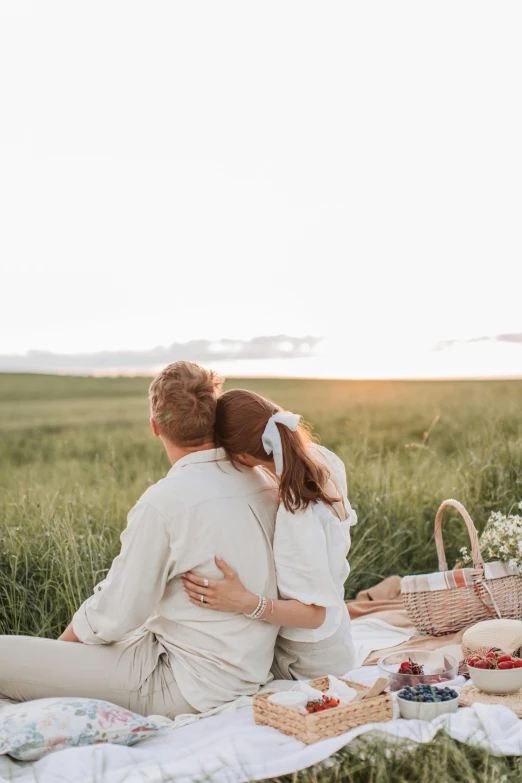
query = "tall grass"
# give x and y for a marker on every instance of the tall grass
(442, 761)
(76, 453)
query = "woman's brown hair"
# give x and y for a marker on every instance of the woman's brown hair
(241, 418)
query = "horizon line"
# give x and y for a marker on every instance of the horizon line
(415, 378)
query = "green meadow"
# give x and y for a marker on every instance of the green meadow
(76, 453)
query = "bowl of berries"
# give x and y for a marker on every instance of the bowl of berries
(417, 667)
(495, 672)
(426, 702)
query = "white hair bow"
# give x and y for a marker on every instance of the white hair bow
(272, 439)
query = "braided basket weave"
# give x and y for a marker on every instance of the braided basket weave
(312, 727)
(440, 612)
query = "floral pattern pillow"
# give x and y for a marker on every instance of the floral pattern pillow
(30, 730)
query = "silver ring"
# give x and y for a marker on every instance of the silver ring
(205, 582)
(202, 599)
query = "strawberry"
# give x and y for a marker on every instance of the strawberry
(481, 664)
(517, 663)
(319, 705)
(506, 665)
(411, 667)
(491, 655)
(505, 658)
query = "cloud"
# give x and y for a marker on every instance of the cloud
(510, 338)
(515, 337)
(264, 347)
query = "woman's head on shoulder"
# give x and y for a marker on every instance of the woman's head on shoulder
(242, 417)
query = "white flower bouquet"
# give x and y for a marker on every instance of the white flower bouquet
(500, 540)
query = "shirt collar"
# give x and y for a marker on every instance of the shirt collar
(206, 455)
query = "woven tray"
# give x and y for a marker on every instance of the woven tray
(317, 726)
(469, 695)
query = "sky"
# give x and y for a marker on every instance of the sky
(344, 174)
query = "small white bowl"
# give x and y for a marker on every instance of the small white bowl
(419, 710)
(496, 680)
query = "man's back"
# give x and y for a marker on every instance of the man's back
(138, 641)
(209, 508)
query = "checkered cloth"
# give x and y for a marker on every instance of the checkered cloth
(461, 577)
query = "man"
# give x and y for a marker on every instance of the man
(138, 641)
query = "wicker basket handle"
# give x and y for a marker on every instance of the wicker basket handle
(478, 560)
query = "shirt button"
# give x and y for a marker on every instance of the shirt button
(99, 588)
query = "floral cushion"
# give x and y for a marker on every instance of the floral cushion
(30, 730)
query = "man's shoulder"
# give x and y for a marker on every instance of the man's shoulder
(189, 487)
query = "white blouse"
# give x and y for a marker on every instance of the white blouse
(310, 549)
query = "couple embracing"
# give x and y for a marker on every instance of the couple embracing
(231, 569)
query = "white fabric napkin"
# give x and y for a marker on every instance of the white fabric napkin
(336, 690)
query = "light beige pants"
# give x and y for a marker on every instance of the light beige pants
(134, 673)
(308, 660)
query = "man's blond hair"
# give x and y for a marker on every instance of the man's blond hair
(183, 403)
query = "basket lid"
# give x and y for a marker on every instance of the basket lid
(458, 577)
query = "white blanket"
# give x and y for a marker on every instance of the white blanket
(371, 634)
(230, 748)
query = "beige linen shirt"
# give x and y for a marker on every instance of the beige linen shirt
(203, 507)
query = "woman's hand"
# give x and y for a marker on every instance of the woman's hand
(222, 595)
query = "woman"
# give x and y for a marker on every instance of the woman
(311, 541)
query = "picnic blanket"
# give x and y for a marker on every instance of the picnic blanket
(383, 602)
(230, 748)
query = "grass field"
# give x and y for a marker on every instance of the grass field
(76, 453)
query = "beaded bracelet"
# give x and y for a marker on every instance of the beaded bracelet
(260, 608)
(251, 615)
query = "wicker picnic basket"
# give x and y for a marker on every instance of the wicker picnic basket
(473, 597)
(311, 728)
